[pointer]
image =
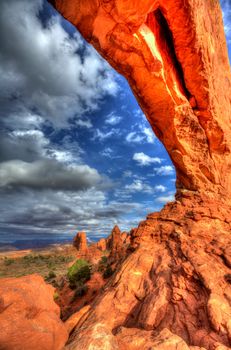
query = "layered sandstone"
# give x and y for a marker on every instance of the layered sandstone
(29, 317)
(173, 289)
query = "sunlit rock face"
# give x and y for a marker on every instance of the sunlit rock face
(172, 291)
(29, 317)
(173, 54)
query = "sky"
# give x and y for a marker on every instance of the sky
(76, 151)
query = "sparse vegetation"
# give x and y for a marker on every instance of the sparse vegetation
(49, 266)
(80, 291)
(79, 272)
(102, 263)
(8, 261)
(105, 268)
(51, 275)
(56, 296)
(103, 259)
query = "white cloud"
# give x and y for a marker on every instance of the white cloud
(160, 188)
(85, 123)
(127, 173)
(165, 170)
(144, 160)
(144, 134)
(101, 135)
(107, 152)
(139, 186)
(134, 137)
(113, 119)
(150, 137)
(165, 199)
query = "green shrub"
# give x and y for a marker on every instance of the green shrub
(108, 272)
(51, 274)
(56, 296)
(79, 272)
(102, 264)
(80, 291)
(103, 260)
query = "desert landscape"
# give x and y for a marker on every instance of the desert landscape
(166, 283)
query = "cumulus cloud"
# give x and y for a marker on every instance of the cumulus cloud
(139, 186)
(43, 68)
(143, 159)
(165, 170)
(150, 137)
(165, 199)
(47, 174)
(160, 188)
(51, 82)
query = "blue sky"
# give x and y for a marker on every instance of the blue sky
(76, 152)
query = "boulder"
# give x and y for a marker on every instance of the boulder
(29, 317)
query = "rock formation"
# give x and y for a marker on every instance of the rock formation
(29, 317)
(173, 291)
(114, 241)
(102, 244)
(80, 242)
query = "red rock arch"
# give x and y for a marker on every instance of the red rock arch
(173, 291)
(174, 56)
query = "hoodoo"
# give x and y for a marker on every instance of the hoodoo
(173, 290)
(80, 242)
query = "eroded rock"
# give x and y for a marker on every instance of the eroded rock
(29, 317)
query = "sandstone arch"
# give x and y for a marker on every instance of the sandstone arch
(173, 54)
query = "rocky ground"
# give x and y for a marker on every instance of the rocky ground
(26, 296)
(175, 296)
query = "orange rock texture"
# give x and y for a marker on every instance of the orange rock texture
(29, 317)
(173, 290)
